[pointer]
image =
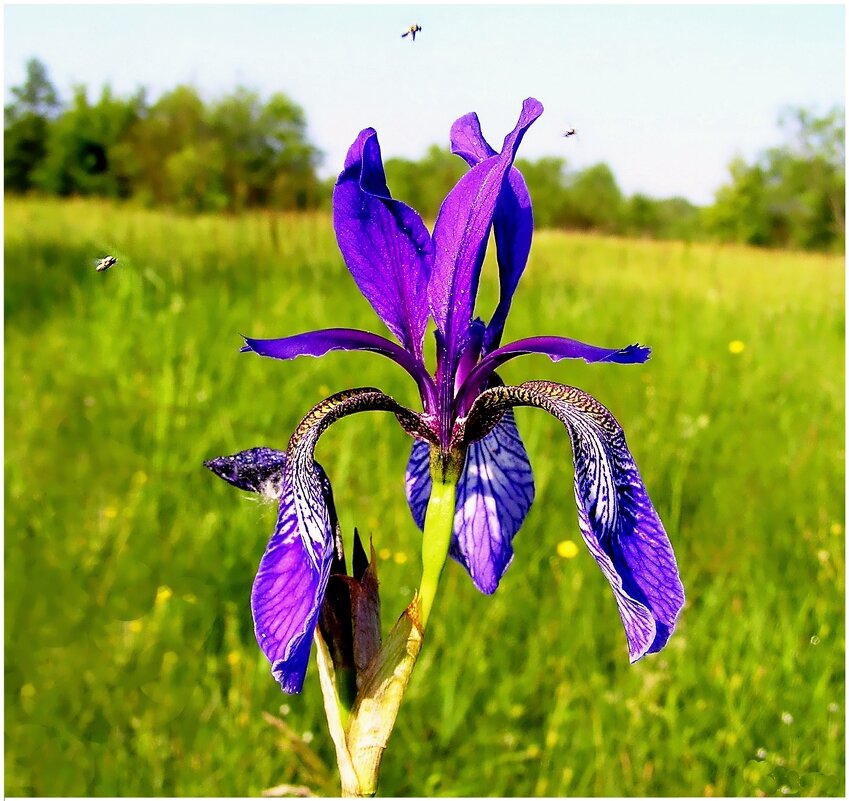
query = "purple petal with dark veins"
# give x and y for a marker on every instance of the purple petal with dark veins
(256, 469)
(494, 495)
(417, 481)
(618, 522)
(384, 242)
(513, 222)
(317, 343)
(460, 236)
(289, 587)
(556, 348)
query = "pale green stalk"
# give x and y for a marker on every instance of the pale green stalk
(439, 523)
(361, 730)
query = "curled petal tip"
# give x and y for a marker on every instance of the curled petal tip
(636, 353)
(254, 469)
(355, 151)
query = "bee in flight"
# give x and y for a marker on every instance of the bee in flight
(570, 132)
(105, 263)
(414, 29)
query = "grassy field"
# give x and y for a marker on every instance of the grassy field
(131, 666)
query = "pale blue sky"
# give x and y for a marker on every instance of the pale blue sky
(666, 95)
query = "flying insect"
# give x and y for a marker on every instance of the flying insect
(569, 132)
(414, 29)
(105, 263)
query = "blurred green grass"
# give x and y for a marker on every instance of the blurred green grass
(131, 667)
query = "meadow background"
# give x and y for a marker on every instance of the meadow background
(131, 666)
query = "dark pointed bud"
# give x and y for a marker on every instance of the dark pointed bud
(360, 558)
(365, 607)
(350, 616)
(336, 621)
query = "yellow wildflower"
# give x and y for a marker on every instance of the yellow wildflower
(567, 549)
(163, 594)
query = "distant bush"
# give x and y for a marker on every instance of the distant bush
(791, 196)
(241, 151)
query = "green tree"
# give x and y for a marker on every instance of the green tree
(546, 180)
(642, 216)
(267, 157)
(742, 211)
(83, 143)
(171, 155)
(26, 122)
(792, 195)
(423, 184)
(594, 200)
(810, 178)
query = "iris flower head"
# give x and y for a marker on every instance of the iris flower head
(466, 430)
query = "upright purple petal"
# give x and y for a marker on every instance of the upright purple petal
(514, 228)
(384, 242)
(289, 588)
(460, 236)
(471, 353)
(467, 140)
(317, 343)
(618, 522)
(513, 222)
(494, 495)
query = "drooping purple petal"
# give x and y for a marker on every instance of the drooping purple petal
(317, 343)
(292, 576)
(618, 522)
(556, 348)
(384, 242)
(494, 495)
(513, 222)
(290, 583)
(256, 470)
(460, 236)
(289, 587)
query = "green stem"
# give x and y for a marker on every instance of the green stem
(439, 523)
(346, 693)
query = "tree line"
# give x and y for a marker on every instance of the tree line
(241, 151)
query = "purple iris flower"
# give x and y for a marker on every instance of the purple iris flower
(466, 424)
